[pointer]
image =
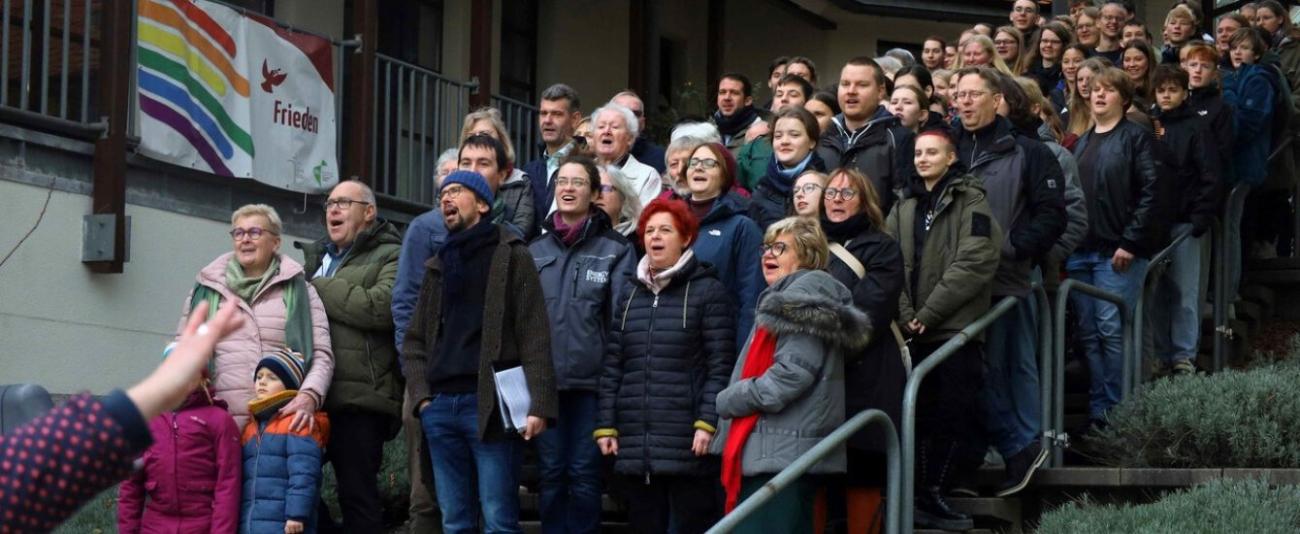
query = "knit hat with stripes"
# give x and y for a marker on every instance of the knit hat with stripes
(286, 365)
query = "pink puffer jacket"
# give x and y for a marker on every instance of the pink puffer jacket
(262, 332)
(191, 473)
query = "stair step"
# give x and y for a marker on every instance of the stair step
(531, 502)
(971, 531)
(535, 527)
(1250, 312)
(1007, 509)
(1262, 295)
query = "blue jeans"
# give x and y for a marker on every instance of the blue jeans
(1011, 399)
(467, 470)
(1101, 330)
(570, 467)
(1175, 318)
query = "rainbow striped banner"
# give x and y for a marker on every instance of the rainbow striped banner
(235, 95)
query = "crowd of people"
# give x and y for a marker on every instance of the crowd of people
(690, 319)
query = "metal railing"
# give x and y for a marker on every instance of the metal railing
(1155, 269)
(47, 85)
(417, 114)
(1226, 268)
(521, 121)
(1058, 356)
(919, 372)
(807, 460)
(1050, 433)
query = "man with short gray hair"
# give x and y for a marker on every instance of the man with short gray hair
(644, 150)
(353, 269)
(559, 112)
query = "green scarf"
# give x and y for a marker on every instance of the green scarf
(247, 288)
(297, 306)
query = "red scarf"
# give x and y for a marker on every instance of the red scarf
(762, 352)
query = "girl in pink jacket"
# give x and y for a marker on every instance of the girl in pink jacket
(191, 473)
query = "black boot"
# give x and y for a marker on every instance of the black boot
(931, 510)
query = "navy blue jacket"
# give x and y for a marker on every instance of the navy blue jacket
(1249, 91)
(424, 238)
(542, 194)
(582, 284)
(732, 243)
(668, 355)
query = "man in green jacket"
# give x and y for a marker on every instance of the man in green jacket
(353, 270)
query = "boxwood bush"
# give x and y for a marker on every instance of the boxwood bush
(1245, 418)
(1219, 506)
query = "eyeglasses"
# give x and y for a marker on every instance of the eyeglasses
(705, 163)
(1004, 42)
(973, 95)
(776, 248)
(606, 188)
(253, 233)
(808, 189)
(844, 194)
(579, 183)
(452, 191)
(343, 203)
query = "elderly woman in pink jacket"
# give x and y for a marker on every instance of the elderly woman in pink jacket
(280, 310)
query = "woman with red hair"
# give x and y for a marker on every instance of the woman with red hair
(670, 350)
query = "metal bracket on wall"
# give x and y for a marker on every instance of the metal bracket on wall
(97, 233)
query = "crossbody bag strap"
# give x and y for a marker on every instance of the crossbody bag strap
(861, 271)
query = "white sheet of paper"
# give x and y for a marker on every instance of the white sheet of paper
(513, 398)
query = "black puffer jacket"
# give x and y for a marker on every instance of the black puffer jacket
(874, 376)
(1207, 103)
(1122, 188)
(668, 357)
(1189, 168)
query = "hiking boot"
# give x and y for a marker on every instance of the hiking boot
(1021, 468)
(932, 511)
(1183, 368)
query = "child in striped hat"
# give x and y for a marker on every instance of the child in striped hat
(281, 467)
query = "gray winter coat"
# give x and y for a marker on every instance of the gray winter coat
(582, 285)
(1076, 207)
(801, 397)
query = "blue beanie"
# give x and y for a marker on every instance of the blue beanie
(472, 181)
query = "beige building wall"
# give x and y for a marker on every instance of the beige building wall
(318, 16)
(583, 43)
(70, 330)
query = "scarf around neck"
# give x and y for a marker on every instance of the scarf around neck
(569, 234)
(759, 358)
(839, 232)
(657, 281)
(782, 179)
(735, 124)
(460, 247)
(245, 287)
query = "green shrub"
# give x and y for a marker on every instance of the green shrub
(98, 516)
(1219, 506)
(1230, 419)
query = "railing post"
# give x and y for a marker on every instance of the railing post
(108, 195)
(1045, 374)
(1058, 368)
(360, 158)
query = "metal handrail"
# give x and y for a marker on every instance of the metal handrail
(810, 458)
(1058, 358)
(919, 373)
(1156, 266)
(1232, 209)
(1049, 432)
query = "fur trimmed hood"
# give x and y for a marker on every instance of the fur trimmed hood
(814, 303)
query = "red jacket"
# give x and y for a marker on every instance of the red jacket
(191, 473)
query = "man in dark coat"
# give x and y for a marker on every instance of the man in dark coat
(353, 270)
(1025, 188)
(558, 114)
(480, 313)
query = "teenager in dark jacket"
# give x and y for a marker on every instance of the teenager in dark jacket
(1190, 180)
(729, 240)
(1118, 170)
(865, 136)
(481, 310)
(949, 244)
(1025, 188)
(794, 136)
(875, 374)
(109, 431)
(584, 266)
(670, 350)
(1249, 91)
